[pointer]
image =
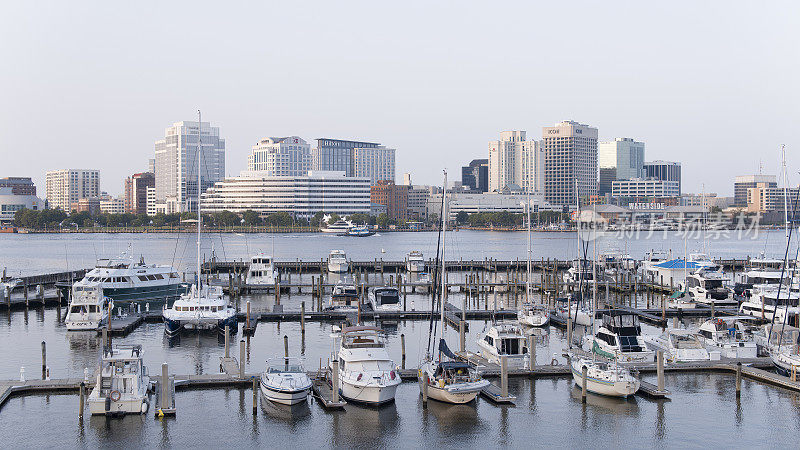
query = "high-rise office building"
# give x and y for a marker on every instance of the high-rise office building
(136, 192)
(515, 161)
(623, 154)
(475, 176)
(664, 171)
(281, 157)
(65, 187)
(394, 197)
(336, 155)
(744, 182)
(176, 163)
(375, 163)
(570, 158)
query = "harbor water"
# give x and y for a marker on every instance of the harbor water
(702, 410)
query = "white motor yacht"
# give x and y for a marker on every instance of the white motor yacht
(261, 272)
(504, 339)
(728, 336)
(619, 337)
(767, 301)
(366, 373)
(651, 259)
(337, 262)
(678, 346)
(579, 273)
(385, 298)
(344, 297)
(285, 381)
(760, 272)
(203, 309)
(122, 382)
(415, 262)
(338, 227)
(707, 287)
(604, 378)
(533, 315)
(88, 310)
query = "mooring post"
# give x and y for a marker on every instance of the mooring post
(569, 327)
(660, 369)
(44, 360)
(277, 293)
(227, 341)
(335, 382)
(286, 348)
(255, 395)
(504, 376)
(585, 373)
(531, 352)
(165, 397)
(461, 337)
(425, 382)
(241, 358)
(247, 320)
(303, 317)
(738, 379)
(403, 351)
(82, 399)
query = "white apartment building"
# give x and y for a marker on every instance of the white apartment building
(514, 160)
(151, 201)
(281, 156)
(623, 154)
(301, 196)
(570, 152)
(375, 163)
(112, 206)
(176, 163)
(66, 186)
(649, 187)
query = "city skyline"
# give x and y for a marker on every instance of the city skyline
(698, 98)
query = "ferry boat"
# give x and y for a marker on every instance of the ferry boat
(122, 279)
(261, 273)
(504, 339)
(619, 337)
(338, 227)
(285, 381)
(729, 336)
(344, 296)
(604, 378)
(88, 310)
(385, 298)
(337, 262)
(678, 346)
(366, 372)
(122, 383)
(358, 231)
(415, 262)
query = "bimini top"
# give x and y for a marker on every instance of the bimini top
(678, 264)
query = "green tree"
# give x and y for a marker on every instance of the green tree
(251, 218)
(317, 219)
(333, 218)
(383, 220)
(462, 217)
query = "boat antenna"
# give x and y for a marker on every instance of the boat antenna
(199, 216)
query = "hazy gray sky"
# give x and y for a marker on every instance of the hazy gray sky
(94, 84)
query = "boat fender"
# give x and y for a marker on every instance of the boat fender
(554, 362)
(115, 396)
(144, 407)
(441, 383)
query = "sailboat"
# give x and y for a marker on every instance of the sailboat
(204, 307)
(531, 315)
(449, 380)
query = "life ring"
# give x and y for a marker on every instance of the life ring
(115, 396)
(553, 362)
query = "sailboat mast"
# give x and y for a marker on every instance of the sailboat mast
(199, 216)
(443, 295)
(785, 195)
(703, 208)
(528, 275)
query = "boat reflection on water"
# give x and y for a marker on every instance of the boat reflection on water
(287, 413)
(83, 341)
(204, 338)
(452, 419)
(364, 425)
(610, 405)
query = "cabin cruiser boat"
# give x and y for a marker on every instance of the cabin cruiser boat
(344, 297)
(619, 337)
(504, 339)
(681, 300)
(385, 298)
(122, 382)
(89, 309)
(762, 303)
(704, 262)
(366, 373)
(122, 279)
(773, 338)
(574, 310)
(202, 309)
(533, 315)
(678, 346)
(415, 262)
(262, 272)
(707, 287)
(337, 262)
(604, 378)
(285, 381)
(729, 336)
(338, 227)
(760, 272)
(579, 272)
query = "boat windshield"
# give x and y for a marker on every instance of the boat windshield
(387, 297)
(283, 368)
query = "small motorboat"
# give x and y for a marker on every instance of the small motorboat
(385, 298)
(678, 346)
(337, 262)
(88, 310)
(285, 381)
(122, 382)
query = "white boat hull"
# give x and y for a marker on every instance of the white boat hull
(97, 406)
(609, 388)
(536, 320)
(371, 394)
(285, 397)
(337, 267)
(445, 396)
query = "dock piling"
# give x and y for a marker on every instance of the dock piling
(227, 341)
(425, 382)
(531, 351)
(303, 317)
(166, 399)
(660, 369)
(403, 351)
(585, 373)
(241, 358)
(286, 348)
(247, 322)
(335, 381)
(504, 376)
(82, 400)
(44, 360)
(255, 395)
(461, 337)
(738, 379)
